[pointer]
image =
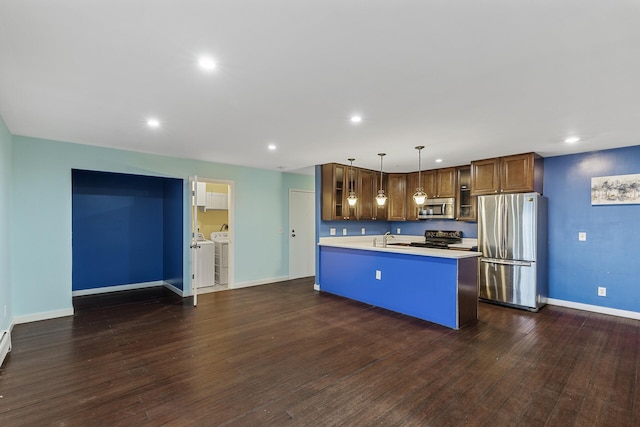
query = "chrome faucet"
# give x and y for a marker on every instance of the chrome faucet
(386, 236)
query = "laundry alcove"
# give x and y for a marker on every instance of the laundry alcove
(127, 232)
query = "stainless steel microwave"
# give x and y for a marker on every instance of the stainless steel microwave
(438, 209)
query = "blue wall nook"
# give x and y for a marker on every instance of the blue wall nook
(126, 230)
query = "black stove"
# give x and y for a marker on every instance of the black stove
(439, 239)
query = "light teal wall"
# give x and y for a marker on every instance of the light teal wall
(6, 172)
(42, 214)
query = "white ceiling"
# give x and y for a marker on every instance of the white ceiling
(468, 79)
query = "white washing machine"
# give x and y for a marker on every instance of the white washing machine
(205, 262)
(221, 242)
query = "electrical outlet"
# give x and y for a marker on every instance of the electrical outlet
(344, 231)
(363, 231)
(378, 275)
(582, 236)
(602, 292)
(398, 230)
(332, 231)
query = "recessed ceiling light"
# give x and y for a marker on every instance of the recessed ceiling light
(572, 139)
(438, 160)
(153, 123)
(271, 147)
(356, 119)
(206, 63)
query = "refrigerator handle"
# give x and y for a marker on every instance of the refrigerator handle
(505, 262)
(505, 225)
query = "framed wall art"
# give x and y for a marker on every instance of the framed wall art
(615, 190)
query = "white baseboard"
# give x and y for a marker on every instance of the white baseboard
(116, 288)
(173, 288)
(259, 282)
(594, 308)
(42, 316)
(5, 345)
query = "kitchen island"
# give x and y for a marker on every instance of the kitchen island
(437, 285)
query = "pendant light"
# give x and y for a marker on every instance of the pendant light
(352, 199)
(420, 196)
(381, 199)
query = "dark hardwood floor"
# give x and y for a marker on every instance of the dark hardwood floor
(283, 354)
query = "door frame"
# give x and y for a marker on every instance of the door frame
(231, 224)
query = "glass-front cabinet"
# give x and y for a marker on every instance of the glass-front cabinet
(337, 180)
(465, 201)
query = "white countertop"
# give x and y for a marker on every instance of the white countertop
(366, 243)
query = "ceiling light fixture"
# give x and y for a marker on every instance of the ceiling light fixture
(438, 160)
(206, 63)
(272, 147)
(356, 119)
(153, 123)
(572, 139)
(381, 199)
(352, 199)
(419, 196)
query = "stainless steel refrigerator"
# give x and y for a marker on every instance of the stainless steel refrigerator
(512, 236)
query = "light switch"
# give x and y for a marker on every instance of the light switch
(332, 231)
(344, 231)
(582, 236)
(378, 275)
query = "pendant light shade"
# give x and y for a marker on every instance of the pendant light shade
(381, 198)
(352, 199)
(419, 197)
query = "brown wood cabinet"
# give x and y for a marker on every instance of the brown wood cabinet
(396, 192)
(412, 185)
(439, 182)
(430, 183)
(367, 190)
(336, 181)
(466, 209)
(519, 173)
(446, 182)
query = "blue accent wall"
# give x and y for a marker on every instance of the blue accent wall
(609, 255)
(119, 228)
(172, 232)
(469, 229)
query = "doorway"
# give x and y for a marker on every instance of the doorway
(302, 247)
(212, 227)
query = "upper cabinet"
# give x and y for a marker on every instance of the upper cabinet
(520, 173)
(466, 203)
(446, 182)
(396, 197)
(366, 190)
(412, 185)
(336, 182)
(438, 183)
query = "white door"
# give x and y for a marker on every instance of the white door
(302, 236)
(193, 185)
